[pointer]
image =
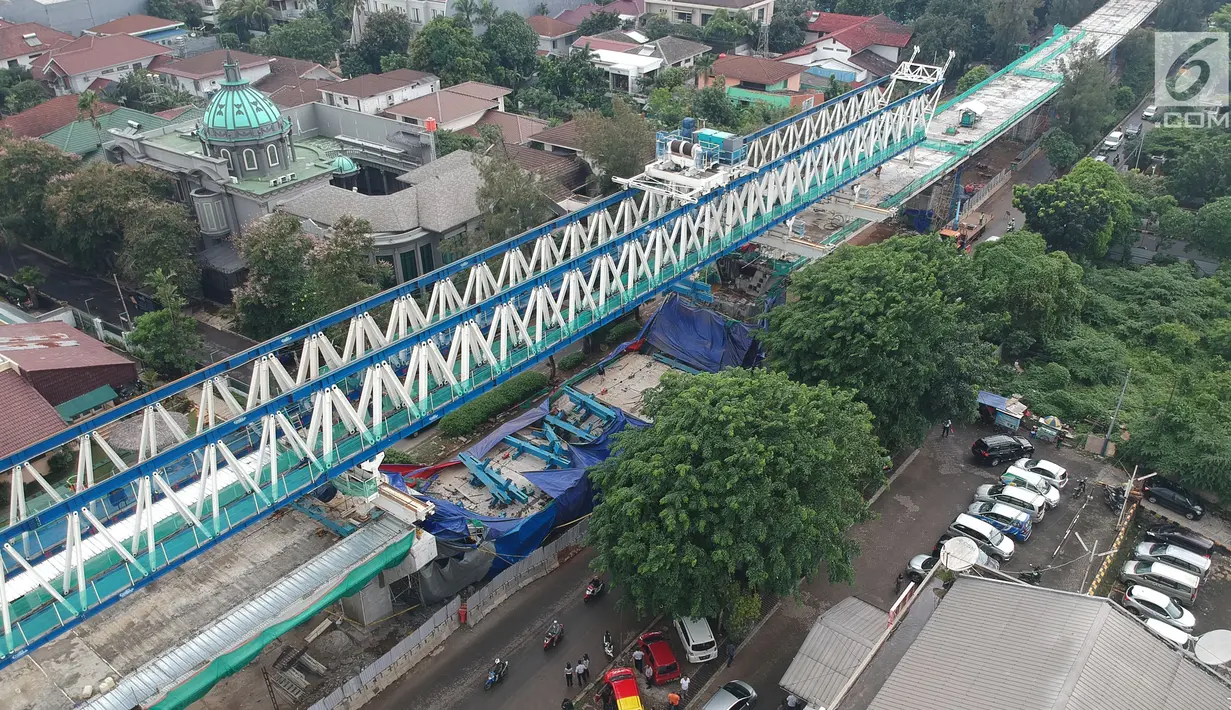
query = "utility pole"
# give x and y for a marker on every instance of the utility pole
(127, 317)
(1115, 415)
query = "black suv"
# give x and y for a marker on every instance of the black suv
(1162, 492)
(991, 450)
(1173, 534)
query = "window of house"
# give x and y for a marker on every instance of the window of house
(389, 99)
(137, 66)
(683, 17)
(345, 101)
(761, 15)
(435, 14)
(410, 267)
(249, 159)
(705, 19)
(196, 85)
(414, 14)
(12, 64)
(425, 256)
(555, 44)
(226, 155)
(271, 152)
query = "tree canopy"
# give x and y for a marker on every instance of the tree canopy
(619, 146)
(167, 339)
(891, 322)
(598, 23)
(310, 38)
(448, 48)
(512, 46)
(510, 200)
(1077, 213)
(384, 33)
(160, 236)
(745, 483)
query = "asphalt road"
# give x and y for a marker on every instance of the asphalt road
(452, 678)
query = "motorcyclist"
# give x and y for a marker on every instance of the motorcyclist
(554, 629)
(607, 639)
(596, 583)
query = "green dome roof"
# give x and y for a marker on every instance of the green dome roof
(239, 112)
(343, 165)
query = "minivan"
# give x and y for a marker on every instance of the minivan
(1173, 555)
(1022, 478)
(1172, 581)
(995, 543)
(698, 640)
(1013, 496)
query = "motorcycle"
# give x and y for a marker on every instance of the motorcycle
(1032, 576)
(593, 589)
(554, 632)
(1114, 498)
(496, 673)
(1079, 489)
(608, 646)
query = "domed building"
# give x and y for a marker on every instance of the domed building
(243, 127)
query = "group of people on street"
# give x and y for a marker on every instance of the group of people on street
(581, 670)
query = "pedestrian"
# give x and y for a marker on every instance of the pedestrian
(878, 171)
(673, 699)
(566, 704)
(982, 218)
(684, 681)
(1059, 440)
(638, 659)
(791, 700)
(946, 429)
(730, 653)
(581, 672)
(649, 676)
(568, 674)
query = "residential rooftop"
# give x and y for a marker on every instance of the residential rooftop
(28, 38)
(89, 52)
(754, 70)
(83, 138)
(50, 115)
(134, 25)
(204, 66)
(369, 85)
(550, 27)
(444, 106)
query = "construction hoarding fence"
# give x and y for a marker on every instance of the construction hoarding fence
(538, 564)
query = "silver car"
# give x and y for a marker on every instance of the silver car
(1151, 604)
(1056, 474)
(920, 565)
(736, 695)
(988, 538)
(1173, 555)
(1024, 500)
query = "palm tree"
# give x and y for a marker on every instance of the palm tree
(486, 12)
(465, 10)
(701, 67)
(541, 9)
(87, 108)
(258, 13)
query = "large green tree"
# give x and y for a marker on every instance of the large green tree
(960, 25)
(892, 322)
(1062, 152)
(1010, 22)
(598, 23)
(1026, 294)
(159, 235)
(618, 146)
(512, 47)
(1121, 201)
(90, 208)
(167, 339)
(509, 200)
(276, 297)
(1085, 99)
(24, 95)
(385, 32)
(27, 167)
(745, 483)
(310, 38)
(1069, 215)
(1213, 232)
(447, 48)
(341, 268)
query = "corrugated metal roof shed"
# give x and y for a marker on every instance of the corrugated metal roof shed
(992, 644)
(839, 641)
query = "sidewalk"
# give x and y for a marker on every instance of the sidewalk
(1214, 528)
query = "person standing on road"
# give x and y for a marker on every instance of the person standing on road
(673, 699)
(568, 674)
(684, 681)
(582, 670)
(946, 429)
(566, 704)
(730, 653)
(791, 701)
(639, 660)
(649, 676)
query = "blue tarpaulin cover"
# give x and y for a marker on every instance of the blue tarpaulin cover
(700, 338)
(992, 400)
(521, 421)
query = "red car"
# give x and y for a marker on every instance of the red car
(622, 684)
(659, 656)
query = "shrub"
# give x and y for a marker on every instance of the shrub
(472, 415)
(622, 331)
(396, 456)
(572, 361)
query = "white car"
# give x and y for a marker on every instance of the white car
(996, 544)
(1056, 474)
(1148, 603)
(1113, 140)
(1173, 555)
(1014, 497)
(1150, 113)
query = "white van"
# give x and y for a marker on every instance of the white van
(698, 640)
(1033, 482)
(1170, 633)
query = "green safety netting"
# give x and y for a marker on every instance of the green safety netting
(229, 663)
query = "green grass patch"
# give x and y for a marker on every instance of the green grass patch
(472, 415)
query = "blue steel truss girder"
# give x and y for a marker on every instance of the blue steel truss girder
(761, 197)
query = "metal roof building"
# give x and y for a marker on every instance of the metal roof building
(992, 644)
(837, 645)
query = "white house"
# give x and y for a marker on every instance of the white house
(202, 74)
(555, 36)
(419, 12)
(630, 57)
(21, 44)
(373, 93)
(453, 109)
(851, 48)
(91, 62)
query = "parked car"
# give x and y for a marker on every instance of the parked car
(698, 639)
(1176, 535)
(659, 656)
(736, 695)
(1014, 497)
(1113, 140)
(1173, 555)
(1032, 482)
(1147, 603)
(624, 689)
(1171, 634)
(1171, 495)
(1150, 113)
(991, 450)
(1008, 520)
(988, 538)
(1055, 474)
(984, 560)
(1174, 582)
